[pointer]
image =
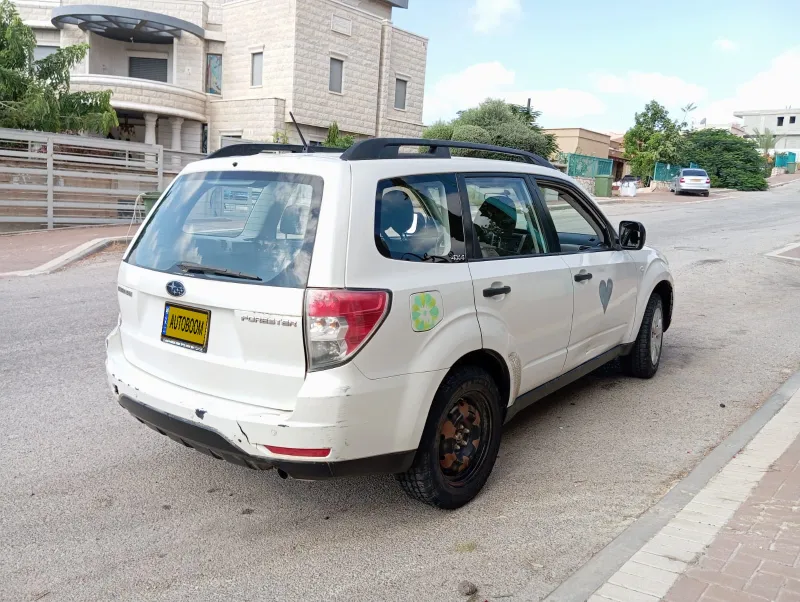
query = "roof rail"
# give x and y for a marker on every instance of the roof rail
(247, 149)
(389, 148)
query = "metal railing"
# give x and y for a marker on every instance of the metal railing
(584, 166)
(57, 179)
(174, 161)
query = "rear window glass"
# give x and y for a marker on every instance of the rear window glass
(695, 172)
(258, 226)
(413, 221)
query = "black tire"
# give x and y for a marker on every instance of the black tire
(707, 193)
(639, 362)
(428, 480)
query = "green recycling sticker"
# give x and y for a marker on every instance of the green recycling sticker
(427, 310)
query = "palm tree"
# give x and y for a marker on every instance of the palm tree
(766, 141)
(686, 110)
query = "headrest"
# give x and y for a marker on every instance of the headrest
(293, 220)
(499, 209)
(397, 212)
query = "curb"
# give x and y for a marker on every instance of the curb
(587, 579)
(81, 252)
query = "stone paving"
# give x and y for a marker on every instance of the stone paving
(738, 540)
(756, 556)
(28, 250)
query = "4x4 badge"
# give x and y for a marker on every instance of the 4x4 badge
(427, 310)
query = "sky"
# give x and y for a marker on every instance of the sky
(594, 64)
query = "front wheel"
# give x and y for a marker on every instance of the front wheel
(644, 358)
(460, 442)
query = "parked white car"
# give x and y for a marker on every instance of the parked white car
(691, 180)
(374, 312)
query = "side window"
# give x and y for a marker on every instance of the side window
(577, 230)
(503, 218)
(413, 221)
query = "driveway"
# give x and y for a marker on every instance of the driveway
(95, 506)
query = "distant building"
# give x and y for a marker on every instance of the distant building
(187, 73)
(581, 141)
(784, 122)
(734, 128)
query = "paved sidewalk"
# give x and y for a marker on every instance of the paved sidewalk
(782, 179)
(29, 250)
(737, 540)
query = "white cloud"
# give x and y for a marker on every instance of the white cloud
(666, 89)
(725, 45)
(473, 85)
(490, 15)
(775, 88)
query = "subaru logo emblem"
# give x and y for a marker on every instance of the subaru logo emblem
(175, 288)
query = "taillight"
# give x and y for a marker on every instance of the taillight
(682, 180)
(708, 180)
(339, 322)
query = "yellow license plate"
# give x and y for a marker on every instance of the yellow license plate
(186, 327)
(695, 180)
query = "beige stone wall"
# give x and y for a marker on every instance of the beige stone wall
(355, 110)
(405, 56)
(376, 7)
(145, 92)
(252, 26)
(190, 62)
(71, 35)
(253, 119)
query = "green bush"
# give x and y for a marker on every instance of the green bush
(730, 161)
(439, 131)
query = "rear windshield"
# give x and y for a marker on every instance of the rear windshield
(695, 172)
(258, 226)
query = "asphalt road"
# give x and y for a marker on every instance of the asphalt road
(94, 506)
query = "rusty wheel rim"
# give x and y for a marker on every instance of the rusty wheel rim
(463, 438)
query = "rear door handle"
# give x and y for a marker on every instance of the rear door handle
(494, 292)
(582, 277)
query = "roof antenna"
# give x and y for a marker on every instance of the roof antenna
(305, 144)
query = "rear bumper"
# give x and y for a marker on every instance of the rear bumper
(687, 187)
(369, 426)
(214, 444)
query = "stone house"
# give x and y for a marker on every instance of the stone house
(187, 73)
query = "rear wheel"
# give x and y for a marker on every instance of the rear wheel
(460, 442)
(644, 358)
(707, 193)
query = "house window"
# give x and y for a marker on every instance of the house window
(780, 121)
(147, 68)
(400, 93)
(792, 119)
(214, 74)
(337, 76)
(256, 68)
(42, 51)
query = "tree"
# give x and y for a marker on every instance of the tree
(35, 95)
(495, 122)
(731, 161)
(765, 140)
(335, 139)
(655, 137)
(686, 110)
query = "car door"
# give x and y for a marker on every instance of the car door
(523, 295)
(604, 277)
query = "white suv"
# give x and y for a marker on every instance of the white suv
(374, 311)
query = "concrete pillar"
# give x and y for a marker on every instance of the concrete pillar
(150, 120)
(176, 123)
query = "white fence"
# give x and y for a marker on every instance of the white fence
(54, 179)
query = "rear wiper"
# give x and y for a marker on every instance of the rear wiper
(196, 268)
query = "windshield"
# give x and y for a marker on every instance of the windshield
(257, 226)
(695, 172)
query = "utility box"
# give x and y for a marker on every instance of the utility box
(149, 199)
(791, 167)
(602, 186)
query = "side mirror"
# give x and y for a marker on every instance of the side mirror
(632, 235)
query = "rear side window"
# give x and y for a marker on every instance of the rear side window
(258, 226)
(504, 222)
(414, 221)
(695, 172)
